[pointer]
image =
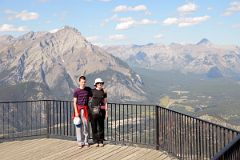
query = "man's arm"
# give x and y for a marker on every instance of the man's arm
(75, 106)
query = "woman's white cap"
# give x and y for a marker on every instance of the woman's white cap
(98, 80)
(76, 120)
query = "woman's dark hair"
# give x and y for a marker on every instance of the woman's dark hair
(82, 77)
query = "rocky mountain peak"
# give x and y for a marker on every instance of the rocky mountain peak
(56, 60)
(70, 35)
(204, 41)
(6, 39)
(69, 30)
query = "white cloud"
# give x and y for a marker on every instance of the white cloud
(139, 8)
(192, 21)
(117, 37)
(23, 15)
(187, 8)
(11, 28)
(147, 21)
(124, 19)
(121, 8)
(95, 40)
(128, 22)
(184, 22)
(124, 8)
(55, 30)
(158, 36)
(125, 25)
(170, 21)
(234, 8)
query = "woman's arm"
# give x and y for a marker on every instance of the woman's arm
(106, 107)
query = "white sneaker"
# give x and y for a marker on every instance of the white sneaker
(101, 144)
(80, 145)
(87, 144)
(96, 145)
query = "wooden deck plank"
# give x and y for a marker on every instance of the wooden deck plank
(137, 155)
(105, 156)
(7, 144)
(101, 151)
(58, 154)
(152, 154)
(123, 153)
(58, 149)
(86, 152)
(18, 147)
(71, 153)
(32, 150)
(42, 152)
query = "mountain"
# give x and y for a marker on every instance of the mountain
(49, 64)
(214, 72)
(201, 58)
(204, 41)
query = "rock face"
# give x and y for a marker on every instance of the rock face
(54, 61)
(203, 57)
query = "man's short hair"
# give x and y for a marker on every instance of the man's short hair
(82, 77)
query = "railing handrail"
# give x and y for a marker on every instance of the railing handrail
(226, 148)
(39, 100)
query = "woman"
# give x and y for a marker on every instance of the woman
(99, 112)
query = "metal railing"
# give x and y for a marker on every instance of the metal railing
(23, 119)
(188, 137)
(184, 136)
(131, 124)
(230, 152)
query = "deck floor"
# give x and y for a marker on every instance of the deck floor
(45, 149)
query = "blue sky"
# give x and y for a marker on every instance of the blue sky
(113, 22)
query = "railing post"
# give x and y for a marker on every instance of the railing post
(48, 119)
(157, 126)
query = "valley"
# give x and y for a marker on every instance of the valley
(215, 100)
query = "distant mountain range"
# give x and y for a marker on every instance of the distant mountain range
(40, 65)
(200, 58)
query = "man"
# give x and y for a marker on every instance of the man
(81, 98)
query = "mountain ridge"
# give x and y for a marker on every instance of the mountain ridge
(58, 59)
(197, 58)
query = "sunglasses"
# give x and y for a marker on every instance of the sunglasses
(100, 83)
